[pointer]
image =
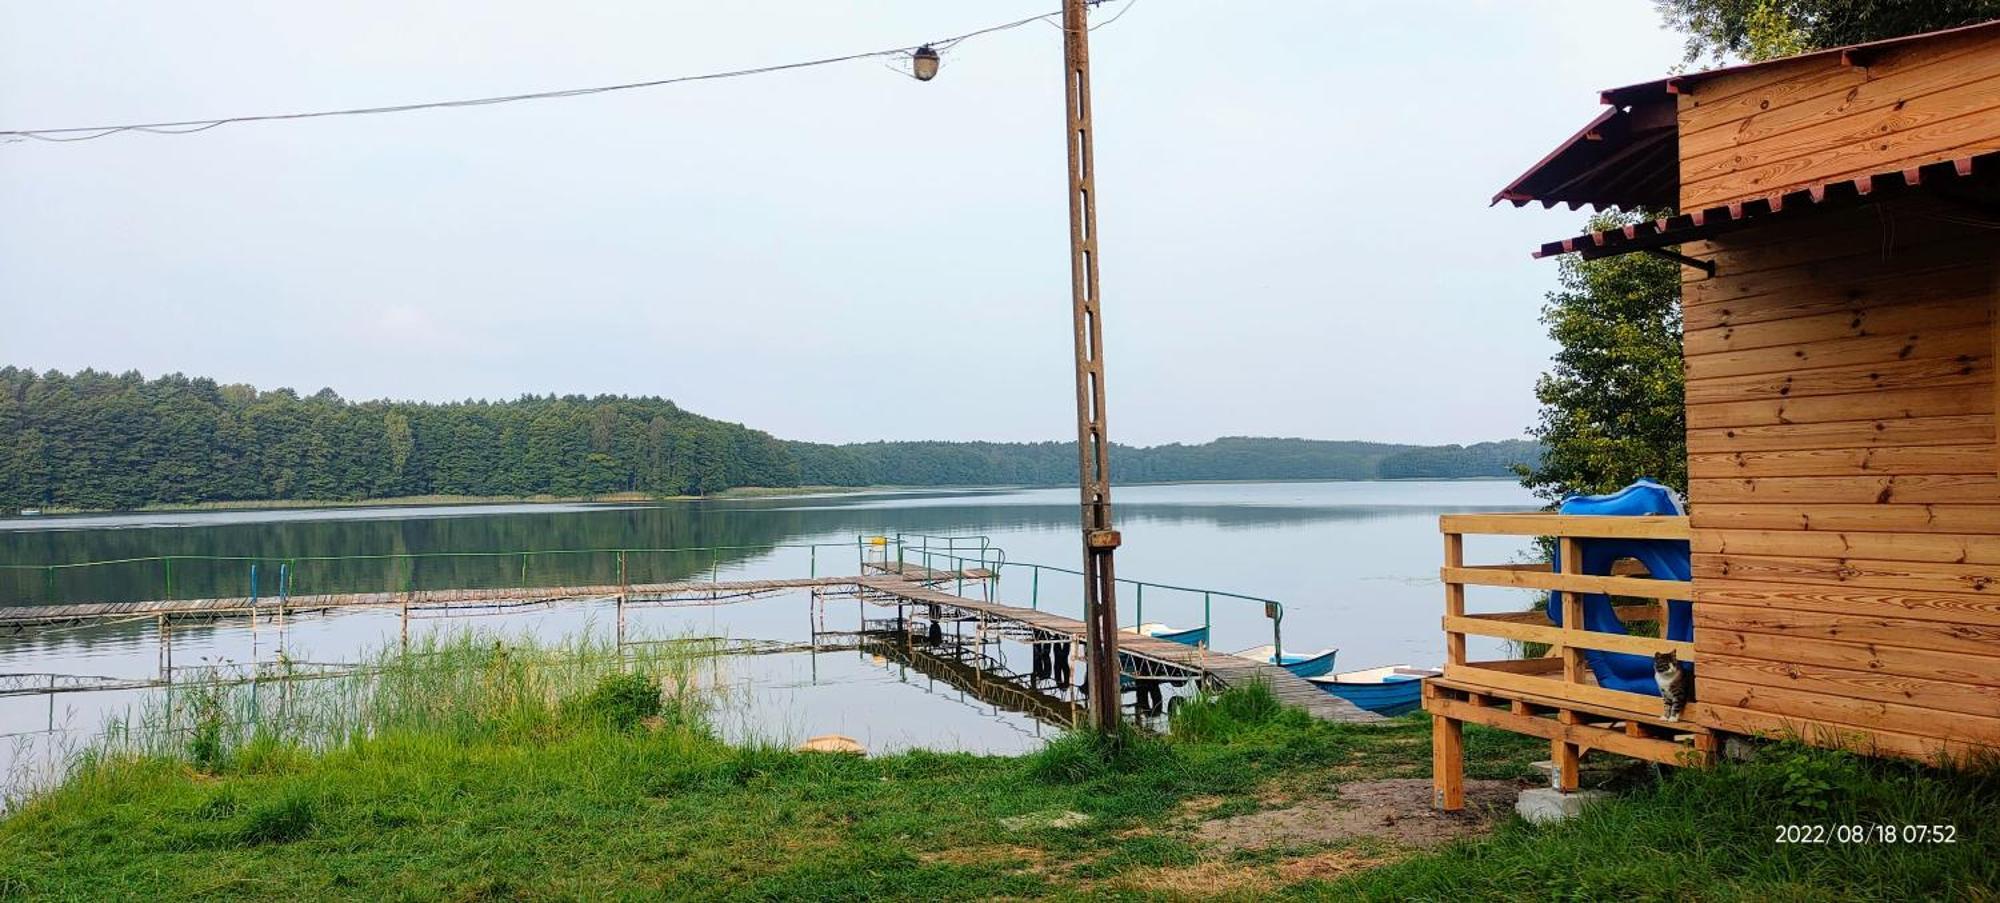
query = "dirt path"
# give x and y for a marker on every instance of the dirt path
(1397, 811)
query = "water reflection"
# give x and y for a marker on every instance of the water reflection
(1354, 563)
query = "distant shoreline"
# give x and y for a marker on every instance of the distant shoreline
(630, 498)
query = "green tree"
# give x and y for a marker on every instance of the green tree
(1764, 29)
(396, 432)
(1611, 404)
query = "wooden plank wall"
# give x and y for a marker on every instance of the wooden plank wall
(1781, 127)
(1844, 484)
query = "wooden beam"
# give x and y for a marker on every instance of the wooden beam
(1516, 577)
(1555, 693)
(1545, 524)
(1481, 625)
(1666, 752)
(1870, 740)
(1645, 612)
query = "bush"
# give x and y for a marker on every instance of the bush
(205, 722)
(292, 815)
(1226, 715)
(619, 700)
(1081, 756)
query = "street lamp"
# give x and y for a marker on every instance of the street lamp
(924, 63)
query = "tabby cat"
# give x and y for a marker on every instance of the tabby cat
(1676, 683)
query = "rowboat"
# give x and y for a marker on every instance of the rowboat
(1303, 664)
(1186, 636)
(1388, 690)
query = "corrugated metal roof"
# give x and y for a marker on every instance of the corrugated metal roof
(1628, 157)
(1852, 55)
(1701, 224)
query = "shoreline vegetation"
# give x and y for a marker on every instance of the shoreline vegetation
(479, 767)
(99, 441)
(633, 498)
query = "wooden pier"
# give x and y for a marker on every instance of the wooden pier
(901, 585)
(1145, 657)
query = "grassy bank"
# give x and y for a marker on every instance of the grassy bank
(479, 771)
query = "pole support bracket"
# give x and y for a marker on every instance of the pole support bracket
(1706, 266)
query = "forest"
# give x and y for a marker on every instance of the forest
(1228, 458)
(96, 440)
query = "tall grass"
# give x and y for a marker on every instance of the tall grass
(457, 688)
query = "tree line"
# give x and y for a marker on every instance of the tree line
(96, 440)
(1229, 458)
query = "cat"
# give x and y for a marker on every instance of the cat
(1676, 683)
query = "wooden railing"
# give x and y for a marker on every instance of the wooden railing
(1563, 675)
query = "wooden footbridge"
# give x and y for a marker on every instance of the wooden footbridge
(915, 592)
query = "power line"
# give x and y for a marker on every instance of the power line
(190, 126)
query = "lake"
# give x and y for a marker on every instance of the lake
(1354, 564)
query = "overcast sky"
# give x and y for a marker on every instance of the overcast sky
(1293, 207)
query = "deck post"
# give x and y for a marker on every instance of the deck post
(1447, 760)
(1566, 756)
(1706, 746)
(1454, 599)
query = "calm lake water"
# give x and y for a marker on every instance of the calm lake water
(1355, 565)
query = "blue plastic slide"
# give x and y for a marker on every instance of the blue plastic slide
(1665, 559)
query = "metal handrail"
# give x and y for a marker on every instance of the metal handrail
(1273, 609)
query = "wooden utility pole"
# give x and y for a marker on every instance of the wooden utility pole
(1100, 605)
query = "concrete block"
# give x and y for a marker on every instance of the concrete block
(1546, 805)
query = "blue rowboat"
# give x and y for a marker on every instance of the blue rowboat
(1186, 636)
(1390, 690)
(1303, 664)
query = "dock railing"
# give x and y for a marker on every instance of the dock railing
(963, 555)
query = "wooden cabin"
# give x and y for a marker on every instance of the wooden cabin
(1838, 228)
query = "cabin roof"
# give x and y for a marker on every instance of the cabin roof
(1628, 155)
(1701, 224)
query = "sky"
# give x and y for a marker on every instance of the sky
(1293, 208)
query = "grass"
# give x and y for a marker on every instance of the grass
(476, 769)
(1712, 835)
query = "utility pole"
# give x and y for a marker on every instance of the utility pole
(1100, 604)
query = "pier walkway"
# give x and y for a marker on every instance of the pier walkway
(1144, 656)
(906, 586)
